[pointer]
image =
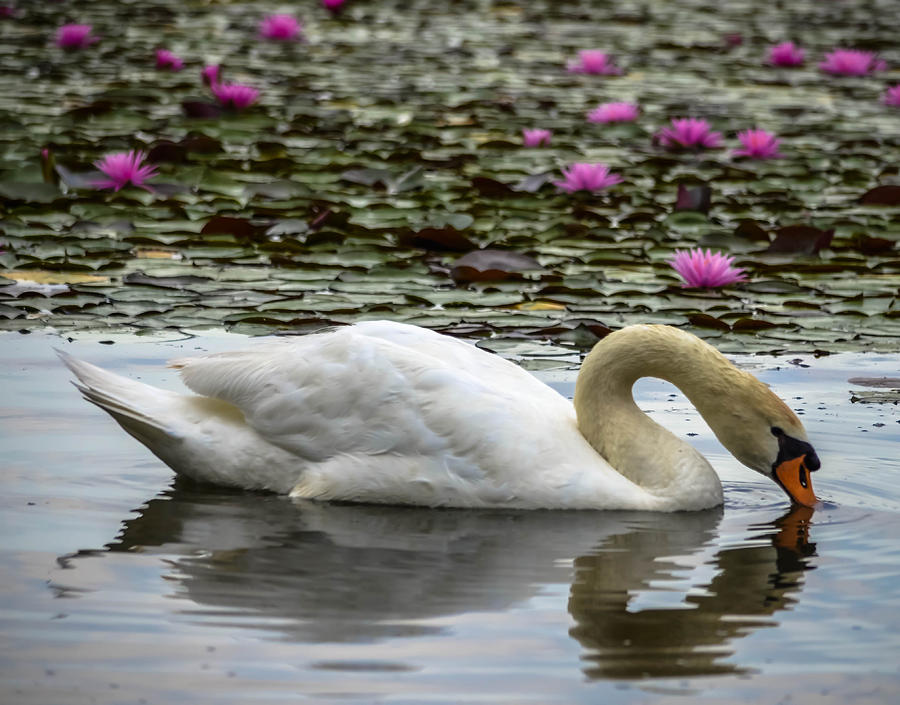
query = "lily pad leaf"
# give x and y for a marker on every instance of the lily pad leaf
(888, 195)
(37, 192)
(180, 282)
(533, 183)
(392, 183)
(693, 198)
(492, 265)
(800, 239)
(79, 179)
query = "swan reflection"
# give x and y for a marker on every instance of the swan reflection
(330, 573)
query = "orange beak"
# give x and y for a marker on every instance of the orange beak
(794, 478)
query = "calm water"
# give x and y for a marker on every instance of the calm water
(119, 586)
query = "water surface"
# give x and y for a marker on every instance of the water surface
(122, 586)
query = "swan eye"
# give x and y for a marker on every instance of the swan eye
(776, 431)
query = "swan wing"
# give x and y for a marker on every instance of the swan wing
(384, 411)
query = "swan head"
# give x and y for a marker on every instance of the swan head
(766, 436)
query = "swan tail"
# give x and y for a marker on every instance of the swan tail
(132, 404)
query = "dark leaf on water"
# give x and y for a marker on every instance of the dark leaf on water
(879, 382)
(442, 239)
(693, 198)
(888, 195)
(201, 109)
(491, 265)
(221, 224)
(491, 187)
(872, 245)
(750, 325)
(800, 239)
(704, 320)
(166, 151)
(751, 230)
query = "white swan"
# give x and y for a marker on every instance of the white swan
(392, 413)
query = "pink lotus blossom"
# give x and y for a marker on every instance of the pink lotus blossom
(614, 112)
(892, 96)
(851, 62)
(280, 28)
(332, 5)
(536, 137)
(786, 54)
(211, 74)
(7, 11)
(687, 133)
(234, 95)
(758, 144)
(594, 61)
(75, 36)
(587, 177)
(165, 59)
(706, 270)
(123, 168)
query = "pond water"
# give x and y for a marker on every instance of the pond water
(122, 586)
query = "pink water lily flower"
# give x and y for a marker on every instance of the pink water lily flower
(587, 177)
(332, 5)
(594, 61)
(234, 95)
(851, 62)
(892, 96)
(786, 54)
(123, 168)
(689, 133)
(280, 28)
(75, 36)
(706, 270)
(166, 59)
(536, 138)
(614, 112)
(758, 144)
(211, 74)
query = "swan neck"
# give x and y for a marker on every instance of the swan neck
(631, 441)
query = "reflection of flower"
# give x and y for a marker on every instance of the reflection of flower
(280, 27)
(75, 36)
(594, 61)
(851, 62)
(614, 112)
(210, 74)
(689, 132)
(707, 270)
(786, 54)
(892, 96)
(123, 168)
(536, 137)
(234, 95)
(587, 177)
(165, 59)
(758, 144)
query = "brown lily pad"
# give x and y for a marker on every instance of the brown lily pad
(800, 239)
(491, 265)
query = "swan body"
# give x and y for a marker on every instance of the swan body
(386, 412)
